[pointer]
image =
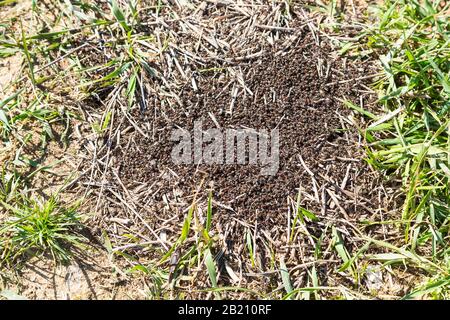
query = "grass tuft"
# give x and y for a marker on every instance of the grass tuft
(35, 227)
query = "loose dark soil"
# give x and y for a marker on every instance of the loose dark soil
(297, 92)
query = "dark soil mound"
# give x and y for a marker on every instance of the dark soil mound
(296, 92)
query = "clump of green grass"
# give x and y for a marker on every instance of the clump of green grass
(415, 94)
(35, 227)
(410, 138)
